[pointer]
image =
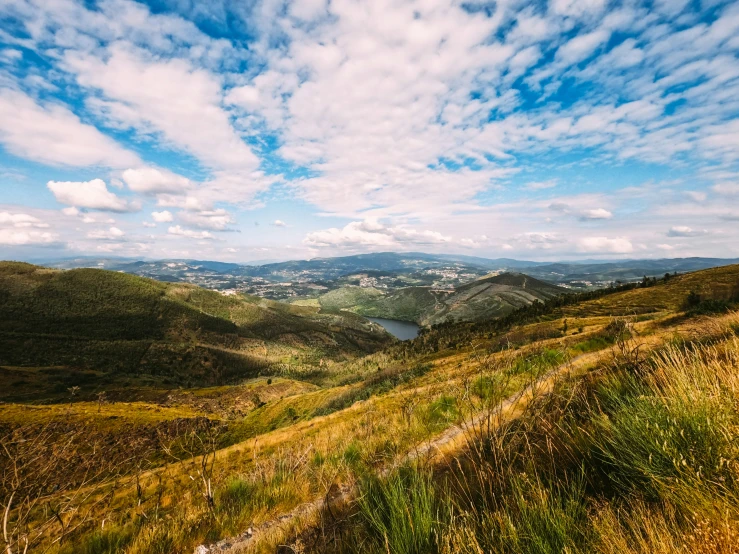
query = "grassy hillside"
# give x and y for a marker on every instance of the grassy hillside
(88, 319)
(348, 296)
(638, 457)
(499, 436)
(406, 304)
(485, 298)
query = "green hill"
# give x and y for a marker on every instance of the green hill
(489, 298)
(485, 298)
(90, 319)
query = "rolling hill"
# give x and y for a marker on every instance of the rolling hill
(490, 297)
(111, 322)
(485, 298)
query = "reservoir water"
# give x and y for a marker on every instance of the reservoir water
(403, 330)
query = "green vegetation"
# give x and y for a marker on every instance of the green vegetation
(400, 513)
(117, 323)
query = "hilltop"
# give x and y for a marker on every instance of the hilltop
(112, 322)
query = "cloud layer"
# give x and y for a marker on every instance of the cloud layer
(554, 128)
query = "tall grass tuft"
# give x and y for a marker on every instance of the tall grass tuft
(400, 512)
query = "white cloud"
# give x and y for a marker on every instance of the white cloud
(176, 101)
(150, 180)
(582, 212)
(188, 233)
(278, 223)
(113, 233)
(726, 189)
(597, 213)
(215, 220)
(684, 231)
(93, 195)
(577, 8)
(582, 46)
(605, 245)
(52, 134)
(407, 114)
(22, 229)
(162, 217)
(14, 237)
(21, 221)
(370, 233)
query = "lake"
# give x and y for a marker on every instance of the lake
(403, 330)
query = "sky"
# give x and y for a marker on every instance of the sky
(268, 130)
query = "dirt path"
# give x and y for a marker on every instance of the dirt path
(447, 443)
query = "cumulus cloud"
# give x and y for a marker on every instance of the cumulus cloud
(22, 229)
(21, 221)
(14, 237)
(278, 223)
(214, 220)
(597, 213)
(189, 233)
(582, 213)
(162, 217)
(151, 180)
(605, 245)
(371, 233)
(685, 231)
(112, 233)
(93, 195)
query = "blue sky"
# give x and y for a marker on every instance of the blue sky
(243, 131)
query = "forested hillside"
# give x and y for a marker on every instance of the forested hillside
(115, 322)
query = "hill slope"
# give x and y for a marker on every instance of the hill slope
(115, 322)
(490, 297)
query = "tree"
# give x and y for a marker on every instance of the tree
(197, 446)
(693, 300)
